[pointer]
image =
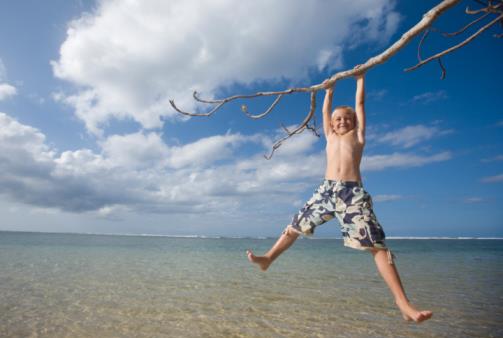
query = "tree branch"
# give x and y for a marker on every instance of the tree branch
(467, 26)
(244, 108)
(459, 45)
(426, 21)
(489, 8)
(297, 130)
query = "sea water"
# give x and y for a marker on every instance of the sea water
(71, 285)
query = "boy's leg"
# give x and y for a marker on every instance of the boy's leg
(284, 242)
(390, 275)
(317, 210)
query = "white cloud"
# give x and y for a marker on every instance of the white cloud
(492, 159)
(492, 179)
(129, 58)
(386, 198)
(377, 94)
(471, 200)
(296, 144)
(136, 150)
(411, 135)
(401, 160)
(429, 97)
(139, 172)
(205, 151)
(6, 91)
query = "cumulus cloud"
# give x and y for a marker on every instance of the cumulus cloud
(130, 58)
(137, 150)
(401, 160)
(6, 91)
(140, 172)
(409, 136)
(205, 151)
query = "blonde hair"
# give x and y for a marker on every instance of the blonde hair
(347, 108)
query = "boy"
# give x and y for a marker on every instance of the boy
(341, 195)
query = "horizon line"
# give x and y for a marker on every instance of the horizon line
(247, 237)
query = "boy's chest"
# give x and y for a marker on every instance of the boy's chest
(346, 144)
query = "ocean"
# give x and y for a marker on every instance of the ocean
(78, 285)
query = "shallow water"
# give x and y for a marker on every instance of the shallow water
(68, 285)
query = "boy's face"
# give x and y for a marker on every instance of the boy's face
(343, 121)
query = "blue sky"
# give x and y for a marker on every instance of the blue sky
(89, 142)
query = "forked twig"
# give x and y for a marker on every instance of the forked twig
(467, 26)
(244, 108)
(459, 45)
(423, 25)
(297, 130)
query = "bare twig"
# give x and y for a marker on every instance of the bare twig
(221, 102)
(459, 45)
(313, 127)
(443, 69)
(424, 23)
(285, 128)
(244, 108)
(297, 130)
(489, 8)
(419, 46)
(467, 26)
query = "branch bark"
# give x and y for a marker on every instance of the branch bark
(459, 45)
(426, 21)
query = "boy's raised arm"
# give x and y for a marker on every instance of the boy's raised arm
(360, 106)
(327, 110)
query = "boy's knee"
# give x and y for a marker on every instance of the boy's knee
(291, 231)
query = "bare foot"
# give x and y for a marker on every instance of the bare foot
(409, 313)
(262, 261)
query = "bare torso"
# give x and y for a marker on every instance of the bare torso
(344, 154)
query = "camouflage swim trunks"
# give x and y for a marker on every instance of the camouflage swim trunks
(352, 206)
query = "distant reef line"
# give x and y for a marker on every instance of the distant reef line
(244, 237)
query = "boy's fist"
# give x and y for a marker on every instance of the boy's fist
(359, 75)
(328, 87)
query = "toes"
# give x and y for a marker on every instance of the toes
(424, 315)
(427, 314)
(251, 256)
